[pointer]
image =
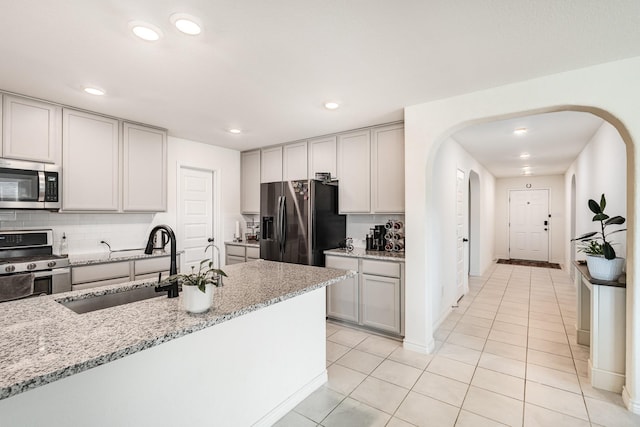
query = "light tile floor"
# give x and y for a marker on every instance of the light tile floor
(506, 356)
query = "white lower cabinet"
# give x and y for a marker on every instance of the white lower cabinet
(373, 298)
(93, 276)
(235, 254)
(381, 303)
(111, 273)
(343, 297)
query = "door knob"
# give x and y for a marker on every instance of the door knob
(210, 240)
(545, 229)
(464, 239)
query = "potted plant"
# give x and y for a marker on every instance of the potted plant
(197, 287)
(602, 261)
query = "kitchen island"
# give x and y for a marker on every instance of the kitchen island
(247, 361)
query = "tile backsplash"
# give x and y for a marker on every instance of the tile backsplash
(84, 231)
(358, 226)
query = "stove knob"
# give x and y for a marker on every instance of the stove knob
(51, 264)
(10, 268)
(31, 266)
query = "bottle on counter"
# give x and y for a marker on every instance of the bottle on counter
(64, 245)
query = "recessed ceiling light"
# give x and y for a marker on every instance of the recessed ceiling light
(145, 31)
(186, 23)
(331, 105)
(525, 155)
(520, 131)
(94, 91)
(235, 130)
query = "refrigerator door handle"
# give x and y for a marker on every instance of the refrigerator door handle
(279, 224)
(284, 224)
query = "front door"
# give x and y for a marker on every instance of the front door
(529, 225)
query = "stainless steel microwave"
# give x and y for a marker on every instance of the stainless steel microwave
(28, 185)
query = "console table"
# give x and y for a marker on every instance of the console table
(601, 324)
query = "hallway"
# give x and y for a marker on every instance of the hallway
(506, 356)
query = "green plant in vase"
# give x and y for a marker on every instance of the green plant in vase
(590, 242)
(602, 261)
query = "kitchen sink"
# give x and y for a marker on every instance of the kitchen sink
(100, 302)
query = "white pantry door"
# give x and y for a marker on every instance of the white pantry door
(195, 215)
(461, 220)
(528, 225)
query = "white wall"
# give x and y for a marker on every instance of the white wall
(610, 90)
(600, 168)
(124, 231)
(226, 163)
(451, 157)
(556, 186)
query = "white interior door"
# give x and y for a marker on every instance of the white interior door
(461, 220)
(195, 215)
(528, 224)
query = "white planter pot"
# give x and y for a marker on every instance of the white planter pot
(601, 268)
(196, 301)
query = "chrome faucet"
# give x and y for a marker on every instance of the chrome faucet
(172, 287)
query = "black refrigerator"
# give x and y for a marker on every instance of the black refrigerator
(299, 221)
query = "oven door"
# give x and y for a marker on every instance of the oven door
(44, 283)
(52, 281)
(22, 185)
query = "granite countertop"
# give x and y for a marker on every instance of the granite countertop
(246, 244)
(363, 253)
(42, 341)
(115, 256)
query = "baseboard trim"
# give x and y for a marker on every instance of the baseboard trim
(292, 401)
(606, 380)
(631, 404)
(420, 348)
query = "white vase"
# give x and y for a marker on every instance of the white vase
(196, 301)
(601, 268)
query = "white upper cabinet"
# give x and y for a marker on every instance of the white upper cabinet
(354, 171)
(368, 163)
(271, 164)
(294, 161)
(144, 169)
(31, 130)
(387, 169)
(250, 182)
(322, 156)
(90, 148)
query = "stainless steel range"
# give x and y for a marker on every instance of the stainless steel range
(28, 266)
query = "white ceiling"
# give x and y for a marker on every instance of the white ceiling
(268, 66)
(553, 141)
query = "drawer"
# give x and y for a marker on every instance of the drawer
(253, 253)
(234, 259)
(151, 265)
(235, 250)
(344, 263)
(152, 276)
(94, 273)
(99, 283)
(381, 268)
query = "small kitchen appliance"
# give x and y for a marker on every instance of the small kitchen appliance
(378, 237)
(26, 257)
(28, 185)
